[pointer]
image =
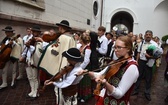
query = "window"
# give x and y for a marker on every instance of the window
(95, 8)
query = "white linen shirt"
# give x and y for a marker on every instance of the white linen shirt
(103, 46)
(86, 58)
(144, 47)
(70, 78)
(27, 38)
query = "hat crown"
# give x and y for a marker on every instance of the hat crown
(8, 28)
(65, 22)
(74, 53)
(36, 28)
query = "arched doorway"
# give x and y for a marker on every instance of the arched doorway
(122, 21)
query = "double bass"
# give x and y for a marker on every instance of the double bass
(5, 51)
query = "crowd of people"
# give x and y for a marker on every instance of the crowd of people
(107, 65)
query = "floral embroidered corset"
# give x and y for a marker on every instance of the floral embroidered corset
(115, 80)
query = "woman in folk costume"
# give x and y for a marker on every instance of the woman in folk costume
(10, 51)
(84, 92)
(76, 37)
(29, 53)
(68, 80)
(118, 78)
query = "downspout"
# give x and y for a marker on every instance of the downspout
(101, 13)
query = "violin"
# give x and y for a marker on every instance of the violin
(63, 71)
(59, 75)
(47, 37)
(31, 41)
(112, 69)
(5, 51)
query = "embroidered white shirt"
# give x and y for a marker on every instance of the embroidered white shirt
(70, 78)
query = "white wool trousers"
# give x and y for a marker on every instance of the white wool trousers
(32, 75)
(62, 100)
(5, 72)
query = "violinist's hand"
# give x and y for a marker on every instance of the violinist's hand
(39, 39)
(27, 44)
(55, 45)
(10, 42)
(48, 82)
(100, 79)
(21, 59)
(81, 72)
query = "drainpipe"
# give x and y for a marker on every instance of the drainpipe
(101, 13)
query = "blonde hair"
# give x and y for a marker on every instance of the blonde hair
(85, 39)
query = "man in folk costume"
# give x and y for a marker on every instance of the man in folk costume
(32, 54)
(10, 51)
(102, 44)
(22, 65)
(103, 41)
(68, 81)
(52, 53)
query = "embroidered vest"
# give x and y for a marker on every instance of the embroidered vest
(110, 100)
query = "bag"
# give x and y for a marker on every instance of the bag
(70, 90)
(166, 73)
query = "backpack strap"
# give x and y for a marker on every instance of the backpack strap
(141, 45)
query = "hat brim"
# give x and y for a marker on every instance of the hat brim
(59, 24)
(7, 30)
(36, 30)
(109, 34)
(73, 59)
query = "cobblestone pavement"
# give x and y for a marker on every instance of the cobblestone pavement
(17, 96)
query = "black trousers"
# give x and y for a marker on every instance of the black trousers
(146, 73)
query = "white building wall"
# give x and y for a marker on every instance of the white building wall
(160, 22)
(145, 16)
(96, 20)
(75, 11)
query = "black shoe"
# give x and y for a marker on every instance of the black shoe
(166, 99)
(3, 88)
(134, 93)
(147, 96)
(13, 86)
(27, 96)
(33, 98)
